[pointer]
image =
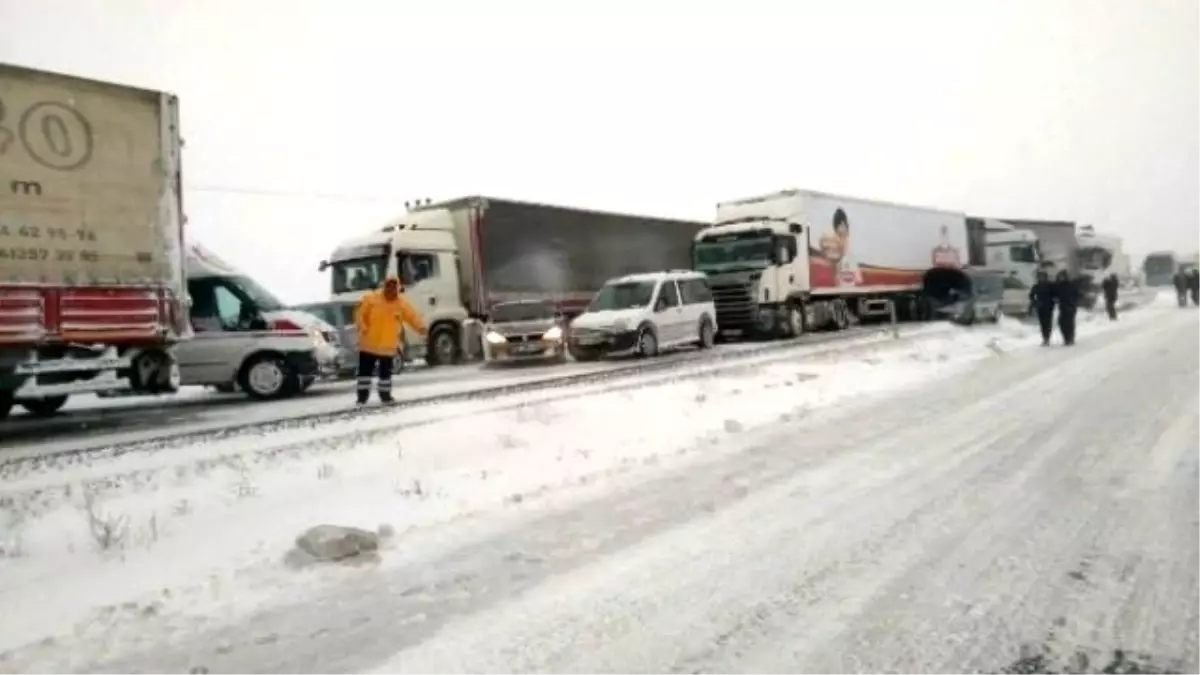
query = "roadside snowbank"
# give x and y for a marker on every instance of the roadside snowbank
(206, 540)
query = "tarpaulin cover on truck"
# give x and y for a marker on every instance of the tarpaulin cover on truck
(83, 183)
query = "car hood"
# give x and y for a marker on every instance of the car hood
(299, 317)
(619, 319)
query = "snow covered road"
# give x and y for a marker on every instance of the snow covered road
(1023, 505)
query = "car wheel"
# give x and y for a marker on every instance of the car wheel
(44, 407)
(442, 347)
(708, 335)
(265, 377)
(647, 345)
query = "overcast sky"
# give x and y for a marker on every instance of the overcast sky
(310, 120)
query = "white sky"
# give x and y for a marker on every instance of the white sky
(1085, 110)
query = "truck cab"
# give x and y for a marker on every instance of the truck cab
(1018, 256)
(755, 259)
(421, 250)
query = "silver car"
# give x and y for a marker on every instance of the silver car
(525, 330)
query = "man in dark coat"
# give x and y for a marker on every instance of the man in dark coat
(1194, 285)
(1066, 295)
(1181, 286)
(1110, 286)
(1041, 301)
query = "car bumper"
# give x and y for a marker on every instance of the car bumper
(526, 351)
(605, 343)
(327, 362)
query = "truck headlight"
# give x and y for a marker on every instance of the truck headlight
(554, 334)
(495, 338)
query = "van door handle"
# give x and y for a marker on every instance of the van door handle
(432, 300)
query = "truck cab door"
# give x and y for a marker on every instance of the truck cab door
(429, 286)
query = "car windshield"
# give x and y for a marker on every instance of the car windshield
(523, 311)
(623, 295)
(358, 274)
(263, 299)
(736, 254)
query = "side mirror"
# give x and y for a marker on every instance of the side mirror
(324, 265)
(795, 228)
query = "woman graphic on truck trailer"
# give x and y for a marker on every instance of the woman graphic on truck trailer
(835, 246)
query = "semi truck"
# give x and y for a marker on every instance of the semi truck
(1018, 256)
(457, 258)
(1057, 242)
(1100, 256)
(92, 286)
(1159, 268)
(798, 260)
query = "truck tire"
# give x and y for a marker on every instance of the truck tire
(793, 324)
(266, 377)
(6, 403)
(442, 346)
(841, 316)
(708, 336)
(44, 407)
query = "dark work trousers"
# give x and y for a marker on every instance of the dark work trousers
(367, 363)
(1066, 325)
(1045, 319)
(1110, 306)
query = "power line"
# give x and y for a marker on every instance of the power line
(264, 192)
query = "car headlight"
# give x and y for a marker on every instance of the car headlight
(495, 338)
(555, 333)
(620, 325)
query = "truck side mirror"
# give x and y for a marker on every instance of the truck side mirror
(323, 265)
(795, 228)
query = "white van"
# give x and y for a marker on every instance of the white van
(247, 338)
(644, 314)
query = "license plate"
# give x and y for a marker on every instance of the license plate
(528, 349)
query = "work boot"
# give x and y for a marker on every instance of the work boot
(386, 399)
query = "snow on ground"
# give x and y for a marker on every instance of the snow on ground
(199, 534)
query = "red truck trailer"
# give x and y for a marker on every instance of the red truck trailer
(92, 287)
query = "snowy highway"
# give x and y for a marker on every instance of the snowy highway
(958, 501)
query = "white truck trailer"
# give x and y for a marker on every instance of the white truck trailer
(92, 287)
(798, 260)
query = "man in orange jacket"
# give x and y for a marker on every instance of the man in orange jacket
(380, 318)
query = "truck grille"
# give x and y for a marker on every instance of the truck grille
(735, 304)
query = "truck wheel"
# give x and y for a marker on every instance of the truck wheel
(841, 316)
(647, 344)
(793, 325)
(442, 347)
(44, 407)
(266, 377)
(708, 335)
(6, 403)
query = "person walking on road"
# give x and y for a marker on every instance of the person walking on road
(1193, 284)
(1066, 295)
(1111, 285)
(1041, 301)
(1181, 281)
(380, 318)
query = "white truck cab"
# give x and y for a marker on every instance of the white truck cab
(1018, 256)
(421, 249)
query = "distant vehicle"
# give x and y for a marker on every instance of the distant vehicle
(340, 315)
(459, 258)
(799, 260)
(978, 300)
(246, 338)
(1058, 243)
(1017, 255)
(91, 232)
(644, 314)
(1100, 256)
(1159, 268)
(525, 330)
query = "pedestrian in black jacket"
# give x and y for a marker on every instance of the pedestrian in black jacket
(1110, 286)
(1066, 295)
(1041, 301)
(1182, 282)
(1194, 285)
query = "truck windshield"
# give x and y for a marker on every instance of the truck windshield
(1094, 258)
(263, 299)
(735, 254)
(625, 295)
(523, 311)
(358, 274)
(1159, 264)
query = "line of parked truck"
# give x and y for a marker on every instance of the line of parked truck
(100, 292)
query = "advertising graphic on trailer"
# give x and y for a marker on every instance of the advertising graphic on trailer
(868, 244)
